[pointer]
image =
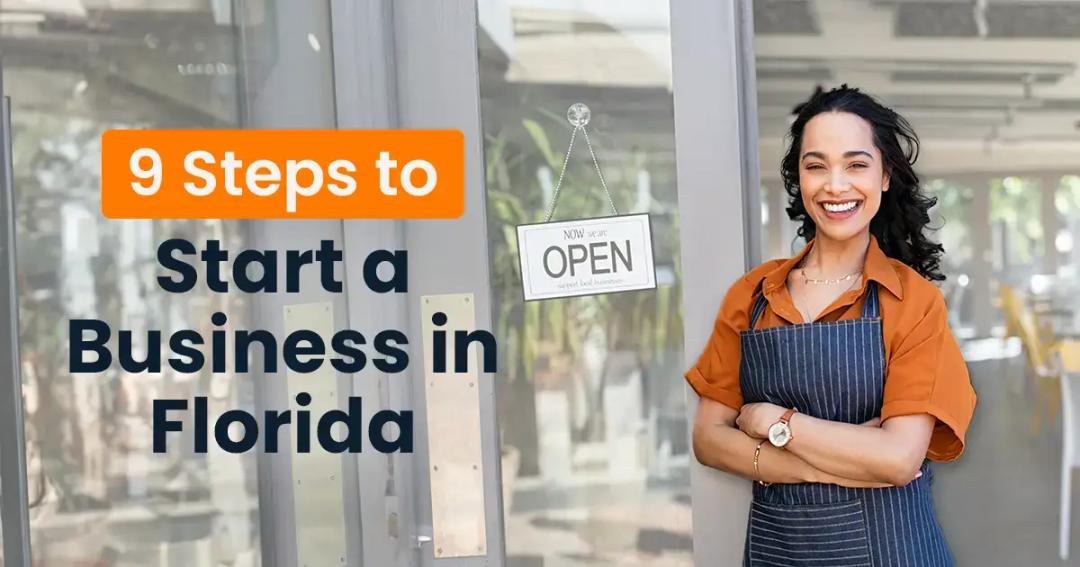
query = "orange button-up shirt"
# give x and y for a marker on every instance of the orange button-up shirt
(925, 371)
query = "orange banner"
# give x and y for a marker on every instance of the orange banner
(261, 174)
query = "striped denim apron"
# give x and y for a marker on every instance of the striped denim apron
(833, 371)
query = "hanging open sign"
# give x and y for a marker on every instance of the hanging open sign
(586, 256)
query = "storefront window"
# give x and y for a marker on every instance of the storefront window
(1015, 210)
(951, 227)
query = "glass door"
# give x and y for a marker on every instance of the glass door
(591, 409)
(98, 495)
(589, 433)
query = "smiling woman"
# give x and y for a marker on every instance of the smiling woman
(832, 377)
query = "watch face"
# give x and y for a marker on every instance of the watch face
(779, 434)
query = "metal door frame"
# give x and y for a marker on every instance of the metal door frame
(716, 149)
(14, 502)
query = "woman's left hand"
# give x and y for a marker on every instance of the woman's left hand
(756, 419)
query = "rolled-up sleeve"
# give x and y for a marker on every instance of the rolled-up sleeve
(715, 375)
(926, 374)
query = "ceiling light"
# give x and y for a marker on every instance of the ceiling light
(1029, 81)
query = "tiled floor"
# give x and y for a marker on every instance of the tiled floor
(624, 525)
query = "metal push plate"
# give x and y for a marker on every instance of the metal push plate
(317, 490)
(453, 427)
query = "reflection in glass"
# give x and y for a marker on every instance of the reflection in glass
(590, 399)
(98, 494)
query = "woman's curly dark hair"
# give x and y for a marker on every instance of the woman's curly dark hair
(903, 216)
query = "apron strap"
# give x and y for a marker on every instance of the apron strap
(872, 307)
(758, 309)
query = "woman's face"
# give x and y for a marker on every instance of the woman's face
(841, 175)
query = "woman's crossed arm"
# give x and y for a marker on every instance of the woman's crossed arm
(891, 452)
(720, 444)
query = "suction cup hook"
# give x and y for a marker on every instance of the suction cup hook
(578, 115)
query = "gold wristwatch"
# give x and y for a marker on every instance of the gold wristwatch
(780, 432)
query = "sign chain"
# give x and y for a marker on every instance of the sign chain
(600, 174)
(562, 174)
(579, 123)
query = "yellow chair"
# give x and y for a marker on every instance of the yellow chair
(1011, 306)
(1021, 322)
(1069, 353)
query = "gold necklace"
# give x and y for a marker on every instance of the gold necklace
(833, 281)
